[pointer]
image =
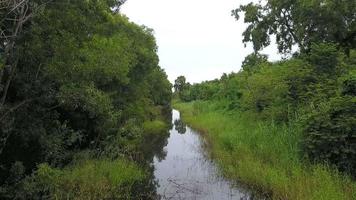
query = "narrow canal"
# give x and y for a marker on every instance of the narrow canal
(186, 172)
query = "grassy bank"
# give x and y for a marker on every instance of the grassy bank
(155, 127)
(89, 179)
(120, 171)
(264, 155)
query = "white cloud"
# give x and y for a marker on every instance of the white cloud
(197, 38)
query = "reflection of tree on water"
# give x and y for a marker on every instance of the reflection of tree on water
(180, 126)
(152, 145)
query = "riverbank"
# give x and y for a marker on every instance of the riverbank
(88, 179)
(264, 155)
(122, 170)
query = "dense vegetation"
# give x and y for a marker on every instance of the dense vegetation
(286, 126)
(264, 155)
(83, 101)
(79, 87)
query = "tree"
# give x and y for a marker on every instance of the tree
(299, 22)
(14, 14)
(324, 57)
(253, 62)
(179, 84)
(85, 77)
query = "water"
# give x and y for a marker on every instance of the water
(186, 172)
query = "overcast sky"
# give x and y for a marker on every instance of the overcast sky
(196, 38)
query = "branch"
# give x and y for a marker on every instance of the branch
(16, 107)
(1, 75)
(7, 86)
(18, 5)
(291, 30)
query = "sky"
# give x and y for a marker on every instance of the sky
(198, 39)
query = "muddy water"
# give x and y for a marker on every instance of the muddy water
(186, 172)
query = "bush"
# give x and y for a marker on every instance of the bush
(330, 134)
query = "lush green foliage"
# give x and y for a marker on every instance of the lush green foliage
(306, 102)
(331, 133)
(156, 126)
(299, 22)
(264, 154)
(102, 179)
(316, 88)
(86, 79)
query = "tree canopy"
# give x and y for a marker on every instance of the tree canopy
(299, 22)
(77, 76)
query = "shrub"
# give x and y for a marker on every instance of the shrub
(330, 134)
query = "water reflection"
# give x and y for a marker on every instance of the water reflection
(180, 169)
(152, 148)
(180, 126)
(184, 171)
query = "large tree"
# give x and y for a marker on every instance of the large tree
(299, 22)
(14, 15)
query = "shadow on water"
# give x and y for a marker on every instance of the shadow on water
(181, 169)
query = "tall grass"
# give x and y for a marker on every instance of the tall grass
(89, 179)
(155, 127)
(265, 155)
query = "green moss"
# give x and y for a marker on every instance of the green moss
(264, 155)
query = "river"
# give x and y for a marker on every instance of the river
(187, 172)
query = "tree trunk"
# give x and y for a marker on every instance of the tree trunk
(8, 82)
(1, 75)
(22, 14)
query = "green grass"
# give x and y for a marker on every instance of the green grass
(154, 127)
(264, 155)
(90, 179)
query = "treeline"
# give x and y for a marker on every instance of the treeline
(315, 87)
(75, 76)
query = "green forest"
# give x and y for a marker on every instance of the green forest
(85, 106)
(79, 86)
